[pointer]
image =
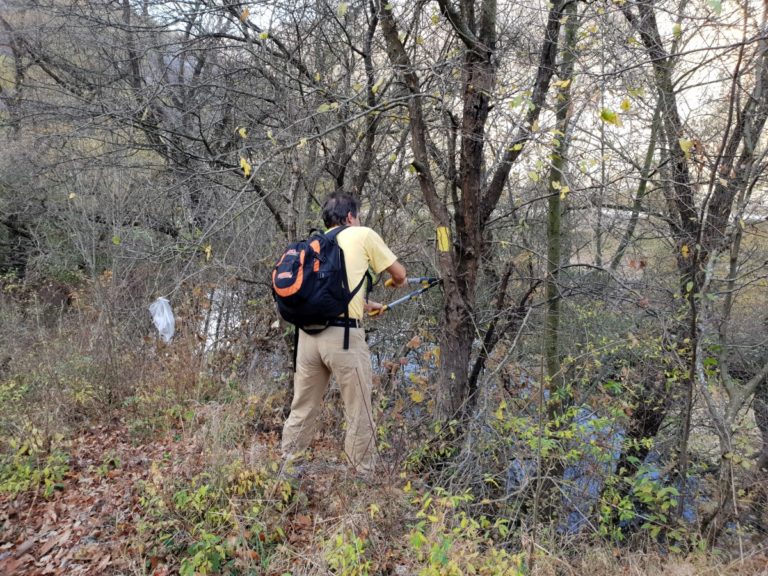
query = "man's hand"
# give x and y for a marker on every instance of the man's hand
(373, 308)
(390, 283)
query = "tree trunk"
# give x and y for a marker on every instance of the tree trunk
(459, 262)
(557, 193)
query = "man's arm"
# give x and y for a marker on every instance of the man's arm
(397, 272)
(398, 278)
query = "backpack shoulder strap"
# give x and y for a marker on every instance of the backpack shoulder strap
(369, 285)
(336, 231)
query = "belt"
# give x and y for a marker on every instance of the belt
(340, 322)
(346, 322)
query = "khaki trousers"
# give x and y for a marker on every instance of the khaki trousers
(319, 356)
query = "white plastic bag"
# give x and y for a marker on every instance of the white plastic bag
(162, 315)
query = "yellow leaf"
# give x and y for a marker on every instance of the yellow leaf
(342, 11)
(242, 132)
(407, 488)
(324, 108)
(317, 76)
(416, 396)
(535, 126)
(443, 239)
(533, 175)
(263, 35)
(556, 185)
(373, 509)
(388, 7)
(72, 195)
(516, 147)
(685, 251)
(302, 143)
(626, 105)
(500, 410)
(245, 166)
(685, 146)
(564, 192)
(610, 117)
(435, 19)
(244, 14)
(208, 250)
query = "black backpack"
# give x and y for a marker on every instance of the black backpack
(310, 287)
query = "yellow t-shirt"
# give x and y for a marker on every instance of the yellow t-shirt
(363, 248)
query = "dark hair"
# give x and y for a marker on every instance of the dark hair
(336, 208)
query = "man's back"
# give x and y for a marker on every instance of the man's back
(363, 248)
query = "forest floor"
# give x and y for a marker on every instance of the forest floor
(91, 523)
(94, 522)
(86, 527)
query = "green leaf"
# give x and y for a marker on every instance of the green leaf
(342, 9)
(716, 5)
(418, 540)
(116, 240)
(610, 117)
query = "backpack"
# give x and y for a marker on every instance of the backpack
(310, 287)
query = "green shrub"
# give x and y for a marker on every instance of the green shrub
(29, 467)
(447, 541)
(210, 525)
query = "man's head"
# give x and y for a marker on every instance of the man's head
(339, 208)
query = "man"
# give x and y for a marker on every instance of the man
(322, 354)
